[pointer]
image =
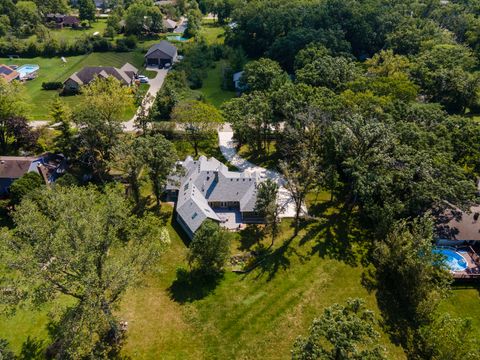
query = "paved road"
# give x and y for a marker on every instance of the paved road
(155, 85)
(228, 149)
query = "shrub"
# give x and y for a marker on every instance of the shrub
(195, 78)
(52, 85)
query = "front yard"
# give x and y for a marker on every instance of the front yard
(53, 69)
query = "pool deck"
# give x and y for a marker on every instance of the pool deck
(473, 260)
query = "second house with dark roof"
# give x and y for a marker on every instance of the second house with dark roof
(161, 54)
(126, 75)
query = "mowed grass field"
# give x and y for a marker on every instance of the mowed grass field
(245, 316)
(53, 69)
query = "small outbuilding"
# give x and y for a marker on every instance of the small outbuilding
(160, 54)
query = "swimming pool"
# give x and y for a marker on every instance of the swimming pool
(176, 38)
(454, 261)
(27, 69)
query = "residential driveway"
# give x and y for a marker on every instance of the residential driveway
(155, 85)
(228, 149)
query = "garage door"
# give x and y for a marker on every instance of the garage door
(152, 61)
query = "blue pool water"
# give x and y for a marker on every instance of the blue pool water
(453, 260)
(27, 69)
(176, 38)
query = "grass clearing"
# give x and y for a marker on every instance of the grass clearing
(53, 69)
(252, 316)
(212, 32)
(212, 86)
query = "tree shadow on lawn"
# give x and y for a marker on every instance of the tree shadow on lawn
(250, 236)
(272, 260)
(192, 285)
(32, 349)
(338, 236)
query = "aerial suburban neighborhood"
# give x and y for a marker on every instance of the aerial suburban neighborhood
(239, 179)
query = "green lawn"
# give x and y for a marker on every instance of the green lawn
(211, 89)
(212, 32)
(252, 316)
(52, 69)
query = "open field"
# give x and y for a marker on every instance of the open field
(252, 316)
(52, 69)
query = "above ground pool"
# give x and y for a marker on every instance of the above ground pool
(176, 38)
(453, 259)
(27, 69)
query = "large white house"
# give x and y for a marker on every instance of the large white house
(207, 189)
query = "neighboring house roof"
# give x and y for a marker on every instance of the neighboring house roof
(70, 20)
(208, 180)
(130, 70)
(165, 47)
(14, 167)
(455, 224)
(87, 74)
(47, 165)
(7, 73)
(169, 24)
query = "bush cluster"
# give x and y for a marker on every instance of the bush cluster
(53, 47)
(52, 85)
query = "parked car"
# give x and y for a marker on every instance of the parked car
(142, 77)
(167, 66)
(143, 80)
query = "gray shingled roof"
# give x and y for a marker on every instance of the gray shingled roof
(87, 74)
(208, 180)
(163, 46)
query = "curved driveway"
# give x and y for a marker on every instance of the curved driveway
(228, 148)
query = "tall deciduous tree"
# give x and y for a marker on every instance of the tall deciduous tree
(14, 130)
(251, 117)
(98, 117)
(301, 177)
(263, 75)
(341, 333)
(107, 251)
(268, 207)
(62, 121)
(410, 280)
(198, 119)
(160, 156)
(87, 10)
(27, 184)
(209, 249)
(128, 157)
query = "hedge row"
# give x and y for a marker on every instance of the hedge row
(53, 47)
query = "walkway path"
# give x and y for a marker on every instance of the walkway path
(228, 148)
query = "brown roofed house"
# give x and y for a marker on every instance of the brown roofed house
(7, 73)
(126, 75)
(61, 20)
(48, 166)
